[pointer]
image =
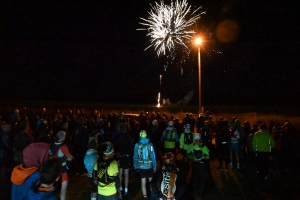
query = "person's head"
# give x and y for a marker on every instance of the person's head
(170, 124)
(122, 129)
(107, 149)
(154, 123)
(93, 144)
(169, 158)
(23, 126)
(143, 134)
(255, 126)
(35, 154)
(187, 115)
(60, 136)
(197, 137)
(50, 171)
(187, 128)
(263, 126)
(6, 128)
(137, 125)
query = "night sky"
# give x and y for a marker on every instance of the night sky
(91, 51)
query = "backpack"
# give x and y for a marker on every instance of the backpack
(188, 138)
(102, 174)
(168, 136)
(197, 154)
(168, 183)
(54, 149)
(144, 153)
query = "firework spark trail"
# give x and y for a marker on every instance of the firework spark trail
(167, 25)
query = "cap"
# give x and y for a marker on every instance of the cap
(107, 148)
(143, 134)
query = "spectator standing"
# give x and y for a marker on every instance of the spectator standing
(21, 141)
(186, 144)
(200, 159)
(169, 138)
(106, 173)
(223, 144)
(26, 175)
(144, 160)
(90, 159)
(124, 153)
(49, 174)
(263, 143)
(60, 149)
(234, 146)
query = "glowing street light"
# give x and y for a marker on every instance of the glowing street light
(198, 42)
(158, 97)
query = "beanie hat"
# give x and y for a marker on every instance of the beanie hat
(107, 148)
(197, 136)
(35, 154)
(143, 134)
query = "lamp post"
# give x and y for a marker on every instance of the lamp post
(198, 42)
(158, 98)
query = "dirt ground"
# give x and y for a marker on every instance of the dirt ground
(235, 184)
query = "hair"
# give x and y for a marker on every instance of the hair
(60, 135)
(50, 170)
(263, 126)
(93, 144)
(23, 125)
(137, 125)
(122, 129)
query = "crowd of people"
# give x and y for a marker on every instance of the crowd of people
(107, 149)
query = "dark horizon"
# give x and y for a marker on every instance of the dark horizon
(93, 52)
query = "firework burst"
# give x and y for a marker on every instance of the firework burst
(168, 25)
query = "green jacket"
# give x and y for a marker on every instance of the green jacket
(199, 146)
(263, 141)
(187, 147)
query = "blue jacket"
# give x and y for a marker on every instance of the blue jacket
(35, 194)
(18, 191)
(90, 159)
(138, 164)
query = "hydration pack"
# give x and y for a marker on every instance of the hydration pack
(54, 149)
(168, 135)
(144, 153)
(188, 138)
(102, 174)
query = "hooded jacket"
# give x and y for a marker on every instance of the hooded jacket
(138, 164)
(174, 138)
(37, 193)
(90, 158)
(25, 175)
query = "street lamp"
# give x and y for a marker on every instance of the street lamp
(198, 42)
(158, 97)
